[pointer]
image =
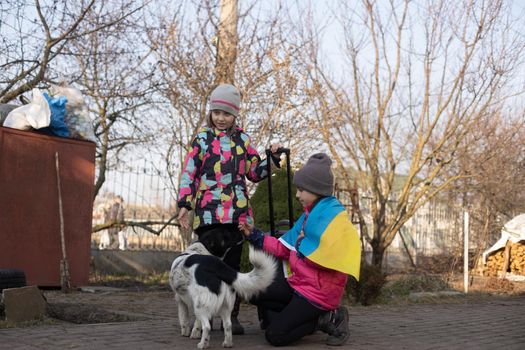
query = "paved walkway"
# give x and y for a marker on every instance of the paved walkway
(487, 324)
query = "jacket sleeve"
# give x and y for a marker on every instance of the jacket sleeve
(255, 167)
(190, 178)
(269, 244)
(273, 246)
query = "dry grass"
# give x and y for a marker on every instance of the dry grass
(490, 285)
(157, 281)
(400, 288)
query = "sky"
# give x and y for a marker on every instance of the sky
(323, 16)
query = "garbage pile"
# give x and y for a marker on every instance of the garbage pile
(60, 112)
(507, 256)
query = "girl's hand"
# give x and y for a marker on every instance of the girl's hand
(274, 147)
(245, 228)
(183, 218)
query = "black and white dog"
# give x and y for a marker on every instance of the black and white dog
(204, 284)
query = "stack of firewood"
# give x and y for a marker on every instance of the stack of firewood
(516, 260)
(494, 264)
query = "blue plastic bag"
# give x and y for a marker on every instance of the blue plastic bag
(57, 126)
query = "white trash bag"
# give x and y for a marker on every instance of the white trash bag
(77, 112)
(34, 115)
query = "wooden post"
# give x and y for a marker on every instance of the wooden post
(506, 259)
(407, 250)
(64, 266)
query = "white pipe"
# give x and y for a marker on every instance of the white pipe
(465, 250)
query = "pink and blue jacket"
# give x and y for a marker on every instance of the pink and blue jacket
(323, 287)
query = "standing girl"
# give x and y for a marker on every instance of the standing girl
(219, 160)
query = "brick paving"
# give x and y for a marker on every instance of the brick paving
(495, 323)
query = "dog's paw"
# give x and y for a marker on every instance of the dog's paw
(196, 333)
(203, 344)
(227, 344)
(185, 331)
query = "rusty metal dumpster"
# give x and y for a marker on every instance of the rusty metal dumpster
(30, 237)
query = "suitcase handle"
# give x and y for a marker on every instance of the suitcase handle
(286, 151)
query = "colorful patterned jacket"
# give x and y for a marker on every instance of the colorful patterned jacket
(214, 175)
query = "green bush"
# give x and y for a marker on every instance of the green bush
(368, 288)
(245, 262)
(260, 205)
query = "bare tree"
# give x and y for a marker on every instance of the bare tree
(116, 70)
(494, 182)
(197, 46)
(113, 68)
(98, 47)
(34, 35)
(422, 76)
(266, 71)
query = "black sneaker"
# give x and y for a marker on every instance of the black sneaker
(325, 323)
(339, 333)
(263, 324)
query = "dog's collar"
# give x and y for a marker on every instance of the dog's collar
(229, 248)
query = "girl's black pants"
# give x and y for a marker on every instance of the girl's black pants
(286, 315)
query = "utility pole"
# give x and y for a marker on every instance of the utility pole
(226, 44)
(465, 250)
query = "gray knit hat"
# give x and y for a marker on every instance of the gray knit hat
(316, 176)
(227, 98)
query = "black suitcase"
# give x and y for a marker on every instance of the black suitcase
(278, 231)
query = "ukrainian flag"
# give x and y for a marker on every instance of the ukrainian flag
(330, 239)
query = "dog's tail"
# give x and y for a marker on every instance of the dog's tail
(257, 280)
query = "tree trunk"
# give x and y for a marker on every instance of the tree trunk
(187, 234)
(227, 42)
(378, 251)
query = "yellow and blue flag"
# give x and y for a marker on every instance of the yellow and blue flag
(330, 239)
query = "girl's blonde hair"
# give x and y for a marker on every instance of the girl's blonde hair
(231, 129)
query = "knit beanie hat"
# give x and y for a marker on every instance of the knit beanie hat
(316, 176)
(227, 98)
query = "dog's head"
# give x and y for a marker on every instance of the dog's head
(220, 240)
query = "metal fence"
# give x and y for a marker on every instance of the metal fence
(147, 196)
(435, 229)
(146, 190)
